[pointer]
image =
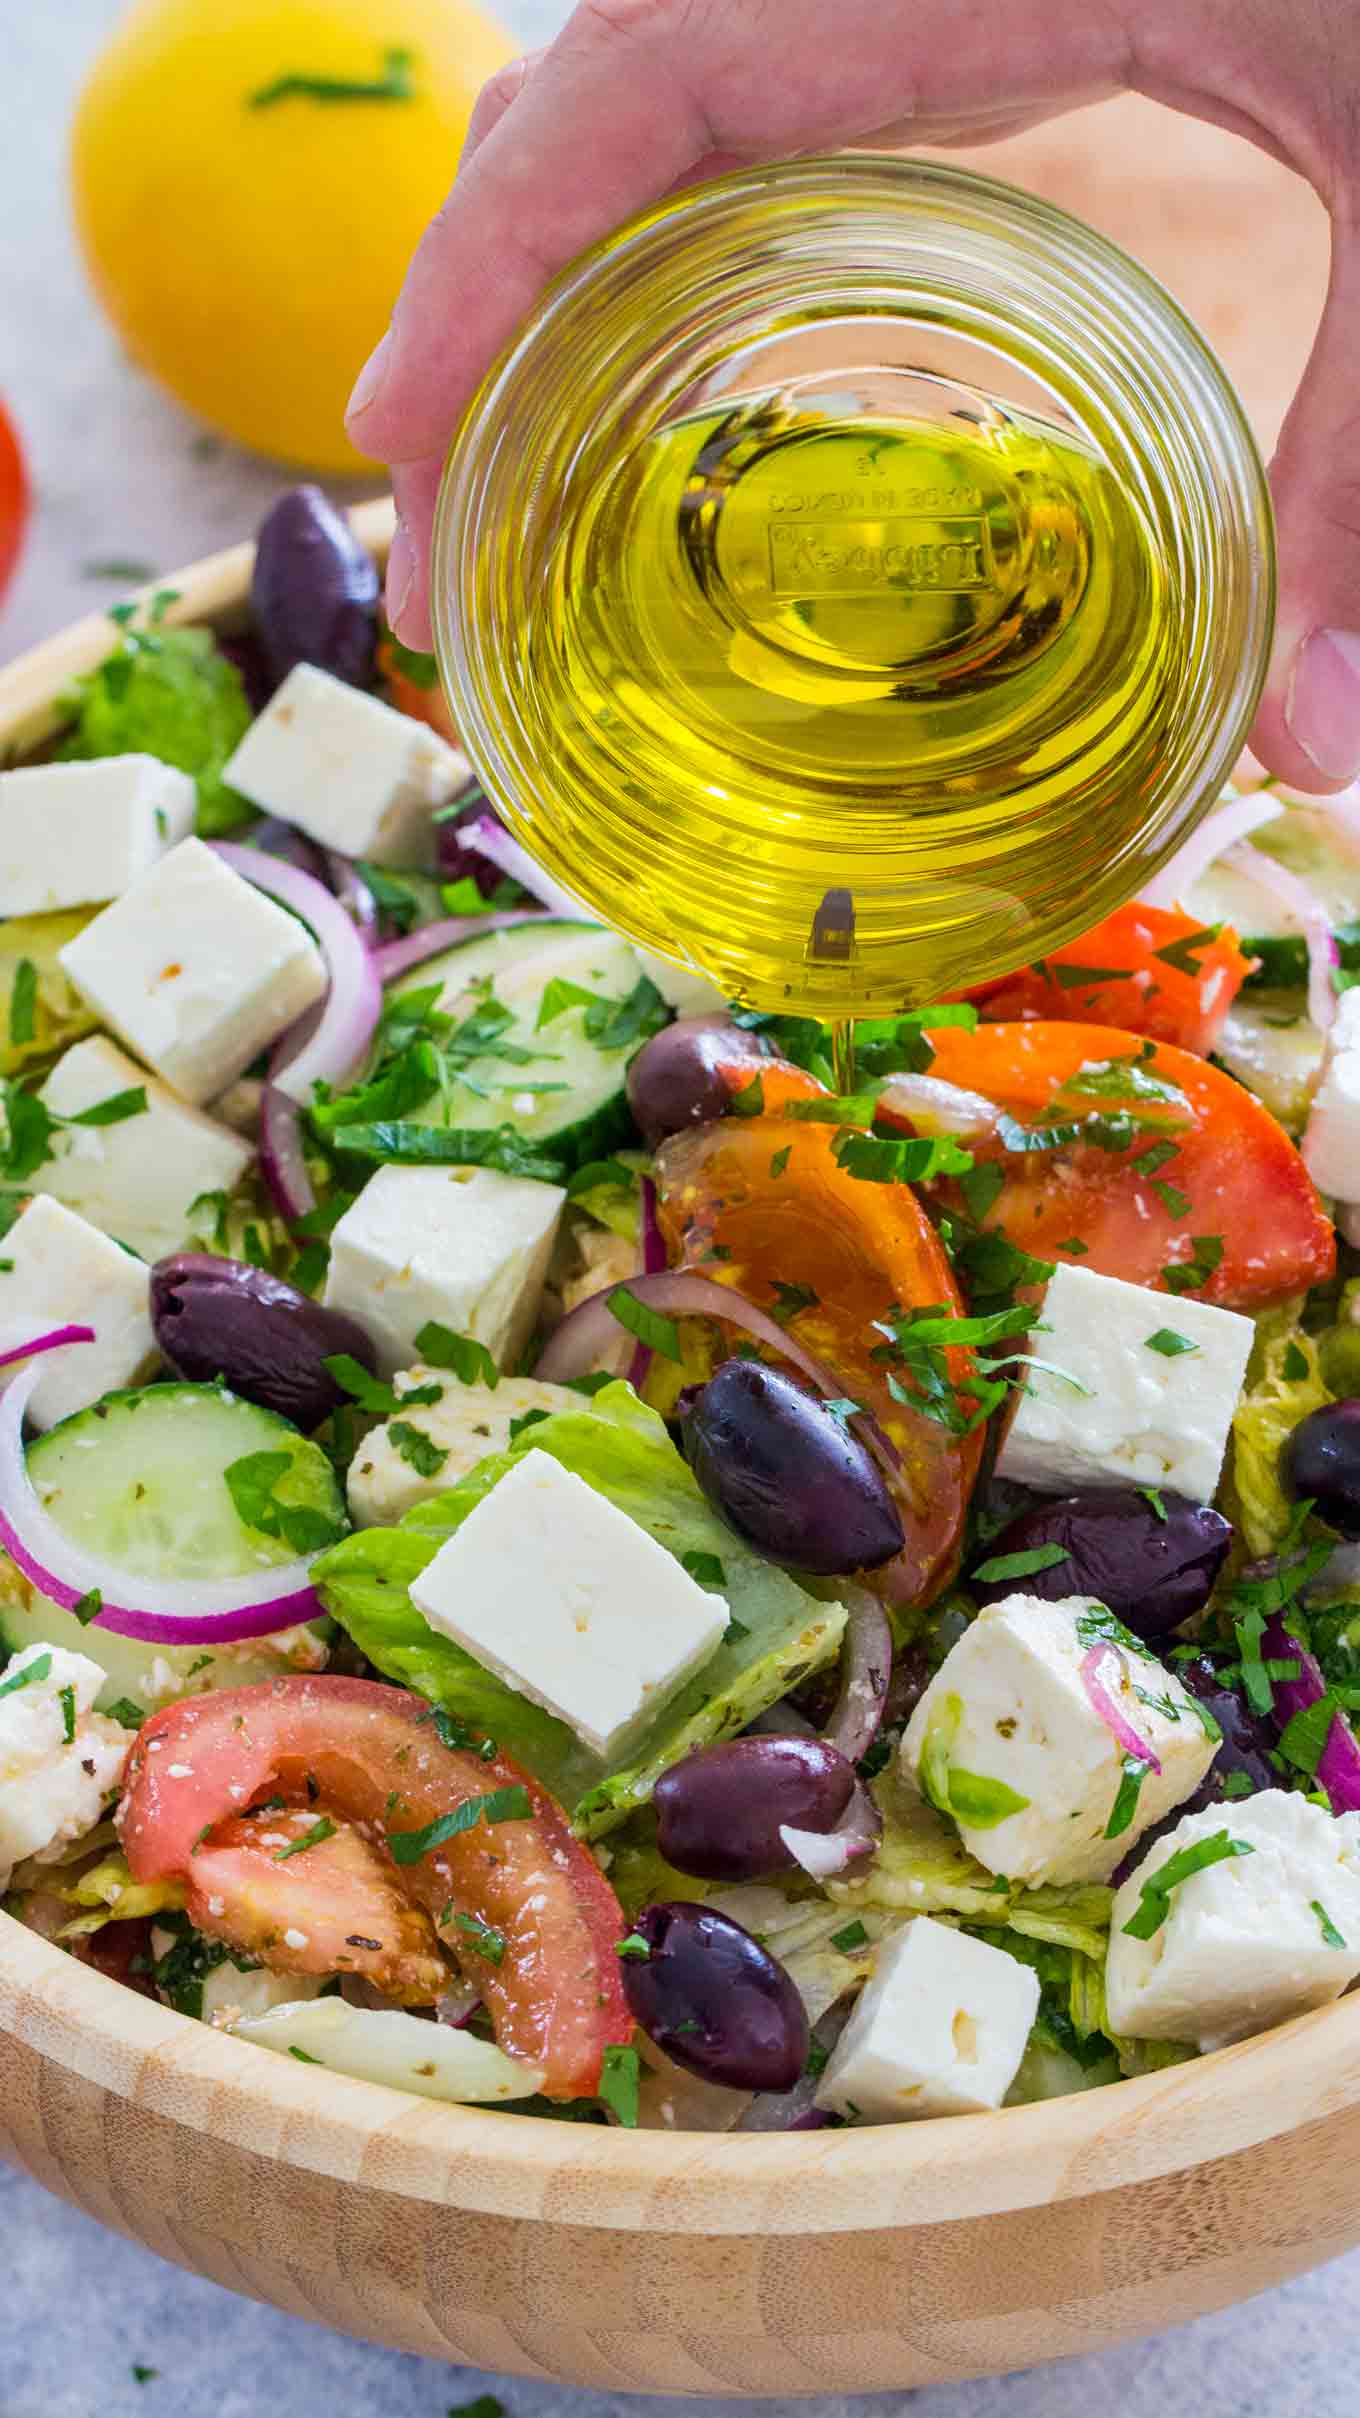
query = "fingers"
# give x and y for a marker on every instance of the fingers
(495, 98)
(1308, 728)
(629, 100)
(415, 487)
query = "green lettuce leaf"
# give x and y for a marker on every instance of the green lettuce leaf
(170, 693)
(922, 1867)
(621, 1448)
(1284, 1383)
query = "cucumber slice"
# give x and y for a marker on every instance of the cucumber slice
(140, 1478)
(567, 1090)
(1268, 1043)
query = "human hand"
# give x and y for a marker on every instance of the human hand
(636, 97)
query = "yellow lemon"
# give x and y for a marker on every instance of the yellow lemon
(250, 179)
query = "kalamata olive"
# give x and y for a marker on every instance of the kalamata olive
(314, 590)
(719, 1811)
(787, 1475)
(1322, 1459)
(675, 1080)
(220, 1318)
(1151, 1558)
(715, 2000)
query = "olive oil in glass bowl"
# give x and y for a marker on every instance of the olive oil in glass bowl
(855, 580)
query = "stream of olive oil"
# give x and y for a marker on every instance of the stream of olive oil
(878, 686)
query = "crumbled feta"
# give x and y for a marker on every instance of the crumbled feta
(348, 769)
(571, 1602)
(1245, 1942)
(134, 1180)
(463, 1245)
(196, 970)
(1008, 1707)
(53, 1788)
(1331, 1141)
(1122, 1409)
(938, 2030)
(61, 1271)
(73, 835)
(465, 1424)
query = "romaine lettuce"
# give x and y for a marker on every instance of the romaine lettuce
(1284, 1383)
(778, 1632)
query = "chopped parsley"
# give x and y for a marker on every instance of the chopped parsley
(853, 1936)
(780, 1160)
(469, 1360)
(498, 1805)
(28, 1676)
(129, 1715)
(705, 1569)
(66, 1698)
(651, 1327)
(789, 1299)
(88, 1608)
(1294, 1365)
(620, 2082)
(487, 1941)
(1331, 1937)
(634, 1948)
(1021, 1565)
(1082, 978)
(876, 1159)
(322, 1828)
(1186, 1276)
(23, 1000)
(379, 1400)
(393, 1142)
(253, 1482)
(526, 1420)
(1155, 1898)
(1133, 1771)
(424, 1456)
(1153, 1496)
(750, 1100)
(1169, 1343)
(1184, 954)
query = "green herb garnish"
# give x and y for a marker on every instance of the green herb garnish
(498, 1805)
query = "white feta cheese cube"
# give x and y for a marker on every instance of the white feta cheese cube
(464, 1245)
(681, 986)
(73, 835)
(939, 2029)
(571, 1602)
(55, 1271)
(1149, 1416)
(60, 1761)
(1246, 1941)
(465, 1424)
(134, 1180)
(1008, 1711)
(348, 770)
(196, 970)
(1331, 1141)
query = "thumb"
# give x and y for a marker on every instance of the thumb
(1308, 728)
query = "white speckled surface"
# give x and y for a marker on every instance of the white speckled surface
(117, 472)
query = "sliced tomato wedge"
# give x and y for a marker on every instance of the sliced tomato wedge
(830, 1255)
(1146, 970)
(373, 1757)
(1212, 1183)
(331, 1905)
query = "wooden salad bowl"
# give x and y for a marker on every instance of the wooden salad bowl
(862, 2259)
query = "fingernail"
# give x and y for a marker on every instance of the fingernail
(401, 573)
(1322, 706)
(370, 378)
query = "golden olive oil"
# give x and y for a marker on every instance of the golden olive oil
(883, 654)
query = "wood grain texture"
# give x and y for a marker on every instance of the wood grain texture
(860, 2260)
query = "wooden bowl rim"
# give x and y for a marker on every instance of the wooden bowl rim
(534, 2168)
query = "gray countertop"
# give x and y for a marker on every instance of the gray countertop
(117, 473)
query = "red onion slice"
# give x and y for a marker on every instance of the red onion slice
(398, 956)
(653, 1264)
(207, 1612)
(931, 1106)
(1125, 1737)
(281, 1160)
(1338, 1769)
(488, 838)
(333, 1049)
(589, 1332)
(866, 1668)
(1229, 822)
(354, 895)
(795, 2111)
(825, 1853)
(46, 1343)
(1311, 915)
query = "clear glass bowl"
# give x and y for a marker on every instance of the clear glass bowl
(848, 719)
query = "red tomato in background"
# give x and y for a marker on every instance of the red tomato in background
(1145, 969)
(13, 499)
(1218, 1166)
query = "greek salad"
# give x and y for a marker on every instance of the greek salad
(553, 1558)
